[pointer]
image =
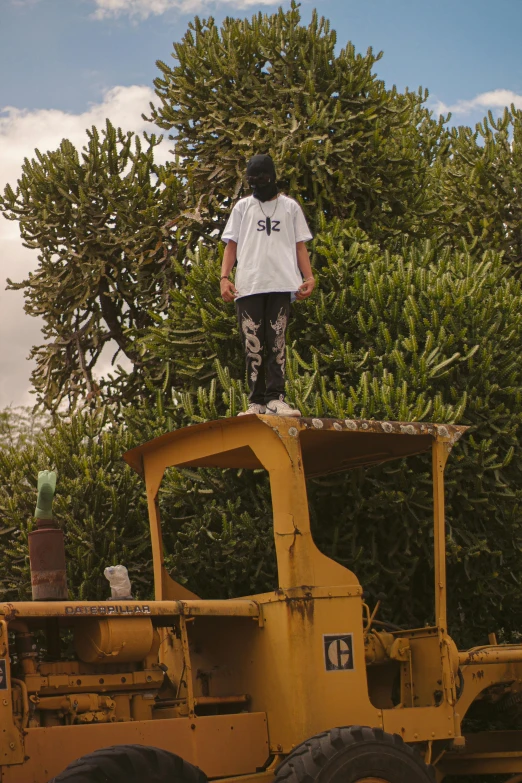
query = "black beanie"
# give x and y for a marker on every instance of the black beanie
(262, 166)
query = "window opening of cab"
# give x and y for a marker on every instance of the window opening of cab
(378, 522)
(213, 547)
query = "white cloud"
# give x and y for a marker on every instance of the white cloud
(143, 9)
(21, 131)
(494, 99)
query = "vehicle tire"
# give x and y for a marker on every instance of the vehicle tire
(130, 764)
(354, 754)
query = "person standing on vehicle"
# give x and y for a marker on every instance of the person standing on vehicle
(266, 234)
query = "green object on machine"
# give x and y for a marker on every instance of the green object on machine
(46, 488)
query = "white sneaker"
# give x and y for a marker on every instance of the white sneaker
(254, 407)
(281, 408)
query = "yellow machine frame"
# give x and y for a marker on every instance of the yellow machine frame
(253, 677)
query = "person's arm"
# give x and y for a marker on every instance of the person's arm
(305, 267)
(228, 289)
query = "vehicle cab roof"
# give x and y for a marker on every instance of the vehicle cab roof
(327, 445)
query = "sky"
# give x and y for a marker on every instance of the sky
(68, 64)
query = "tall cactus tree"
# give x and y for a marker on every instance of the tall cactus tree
(97, 218)
(115, 232)
(343, 143)
(480, 186)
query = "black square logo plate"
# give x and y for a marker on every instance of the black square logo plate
(338, 652)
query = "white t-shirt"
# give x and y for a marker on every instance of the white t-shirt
(266, 264)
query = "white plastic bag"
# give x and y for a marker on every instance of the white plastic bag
(119, 581)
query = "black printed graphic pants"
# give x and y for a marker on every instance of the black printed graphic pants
(263, 319)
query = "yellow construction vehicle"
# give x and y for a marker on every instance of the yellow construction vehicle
(298, 685)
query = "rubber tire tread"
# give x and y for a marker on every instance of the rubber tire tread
(130, 764)
(313, 759)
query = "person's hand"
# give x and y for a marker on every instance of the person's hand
(228, 289)
(305, 289)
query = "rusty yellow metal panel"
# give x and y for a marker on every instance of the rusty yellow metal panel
(477, 678)
(221, 745)
(246, 607)
(86, 683)
(304, 666)
(312, 653)
(492, 654)
(419, 724)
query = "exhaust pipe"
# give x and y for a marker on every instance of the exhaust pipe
(47, 546)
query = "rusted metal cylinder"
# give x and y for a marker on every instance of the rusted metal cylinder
(47, 559)
(494, 654)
